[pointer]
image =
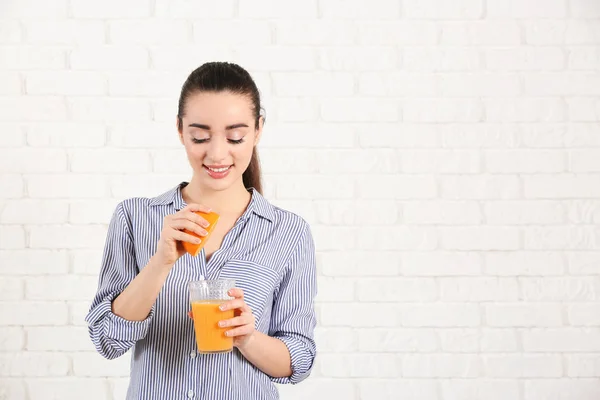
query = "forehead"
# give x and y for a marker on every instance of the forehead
(218, 108)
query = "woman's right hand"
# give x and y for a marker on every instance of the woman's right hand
(169, 247)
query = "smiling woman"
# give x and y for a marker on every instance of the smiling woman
(142, 302)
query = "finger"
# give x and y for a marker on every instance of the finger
(196, 207)
(183, 237)
(236, 292)
(240, 331)
(244, 319)
(190, 315)
(188, 215)
(180, 224)
(232, 304)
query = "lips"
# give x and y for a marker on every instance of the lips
(217, 171)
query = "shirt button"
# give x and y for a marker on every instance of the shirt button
(190, 394)
(193, 354)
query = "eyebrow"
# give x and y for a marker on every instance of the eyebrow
(228, 127)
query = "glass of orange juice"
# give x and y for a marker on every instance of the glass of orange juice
(205, 297)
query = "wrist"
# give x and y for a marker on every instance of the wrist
(247, 343)
(160, 266)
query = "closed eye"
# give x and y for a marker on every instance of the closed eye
(232, 141)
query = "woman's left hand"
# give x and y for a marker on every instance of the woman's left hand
(243, 321)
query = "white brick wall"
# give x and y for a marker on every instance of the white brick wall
(446, 153)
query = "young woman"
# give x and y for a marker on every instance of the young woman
(142, 301)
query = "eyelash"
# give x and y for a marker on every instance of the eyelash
(232, 141)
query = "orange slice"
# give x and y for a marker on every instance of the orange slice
(194, 249)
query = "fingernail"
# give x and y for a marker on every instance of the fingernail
(221, 324)
(205, 224)
(222, 307)
(198, 241)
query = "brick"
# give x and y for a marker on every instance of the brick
(61, 287)
(95, 109)
(65, 83)
(561, 389)
(288, 161)
(441, 213)
(313, 388)
(11, 32)
(150, 185)
(33, 313)
(441, 264)
(397, 340)
(185, 58)
(334, 237)
(402, 135)
(27, 160)
(295, 109)
(33, 262)
(581, 31)
(397, 290)
(523, 366)
(68, 388)
(78, 310)
(545, 32)
(480, 33)
(58, 339)
(481, 187)
(308, 135)
(86, 262)
(64, 32)
(360, 365)
(14, 135)
(111, 9)
(585, 109)
(525, 9)
(440, 161)
(481, 388)
(340, 9)
(313, 33)
(322, 186)
(583, 263)
(354, 263)
(336, 339)
(479, 289)
(33, 364)
(499, 340)
(121, 161)
(571, 289)
(583, 135)
(523, 263)
(10, 83)
(65, 135)
(313, 84)
(265, 9)
(306, 210)
(360, 315)
(523, 315)
(561, 186)
(502, 136)
(12, 186)
(18, 109)
(11, 339)
(525, 59)
(479, 84)
(572, 83)
(119, 387)
(29, 211)
(388, 389)
(359, 110)
(583, 365)
(398, 238)
(32, 9)
(400, 84)
(227, 32)
(12, 237)
(88, 364)
(441, 366)
(583, 9)
(584, 160)
(441, 59)
(190, 9)
(584, 314)
(430, 9)
(357, 161)
(441, 315)
(12, 388)
(67, 236)
(141, 135)
(561, 238)
(109, 57)
(531, 109)
(435, 110)
(396, 33)
(584, 58)
(11, 288)
(91, 211)
(335, 289)
(459, 340)
(30, 58)
(152, 32)
(584, 211)
(46, 186)
(358, 58)
(276, 58)
(480, 238)
(524, 213)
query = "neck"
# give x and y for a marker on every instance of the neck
(233, 200)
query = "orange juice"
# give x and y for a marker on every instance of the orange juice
(210, 338)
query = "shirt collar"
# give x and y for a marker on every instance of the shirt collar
(258, 204)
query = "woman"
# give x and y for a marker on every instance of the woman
(142, 301)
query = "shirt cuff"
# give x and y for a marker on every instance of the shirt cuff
(118, 328)
(302, 360)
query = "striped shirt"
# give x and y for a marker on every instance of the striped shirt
(270, 254)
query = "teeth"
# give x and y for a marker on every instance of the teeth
(218, 169)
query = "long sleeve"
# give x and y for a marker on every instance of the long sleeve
(112, 335)
(293, 317)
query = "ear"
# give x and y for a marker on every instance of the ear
(259, 129)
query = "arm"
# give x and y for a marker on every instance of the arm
(268, 354)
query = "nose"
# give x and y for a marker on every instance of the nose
(217, 150)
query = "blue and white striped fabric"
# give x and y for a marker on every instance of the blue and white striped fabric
(269, 252)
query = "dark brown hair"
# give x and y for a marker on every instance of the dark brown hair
(230, 77)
